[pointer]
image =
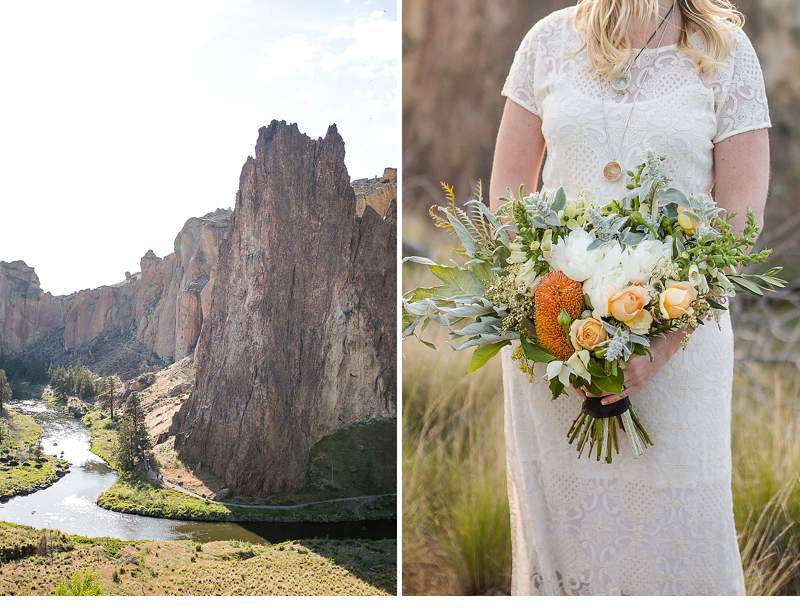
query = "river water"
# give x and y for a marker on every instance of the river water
(69, 504)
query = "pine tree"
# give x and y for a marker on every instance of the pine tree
(5, 390)
(133, 438)
(106, 398)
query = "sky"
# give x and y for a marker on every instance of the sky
(121, 120)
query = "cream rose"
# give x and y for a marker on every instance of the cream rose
(587, 333)
(628, 306)
(688, 220)
(676, 300)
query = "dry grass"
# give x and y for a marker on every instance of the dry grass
(456, 538)
(182, 567)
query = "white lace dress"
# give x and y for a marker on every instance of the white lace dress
(662, 524)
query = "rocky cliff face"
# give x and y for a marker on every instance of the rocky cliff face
(300, 339)
(154, 315)
(378, 193)
(27, 313)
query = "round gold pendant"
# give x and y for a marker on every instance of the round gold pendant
(612, 171)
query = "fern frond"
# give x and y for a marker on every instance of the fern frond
(449, 193)
(479, 191)
(468, 224)
(440, 222)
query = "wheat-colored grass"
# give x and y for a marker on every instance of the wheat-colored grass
(456, 536)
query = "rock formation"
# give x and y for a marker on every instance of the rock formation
(300, 339)
(27, 313)
(378, 193)
(153, 316)
(290, 302)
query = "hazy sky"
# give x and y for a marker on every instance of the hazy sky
(120, 120)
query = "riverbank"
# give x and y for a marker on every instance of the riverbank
(24, 468)
(183, 567)
(140, 496)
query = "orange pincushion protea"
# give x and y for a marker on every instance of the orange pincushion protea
(556, 292)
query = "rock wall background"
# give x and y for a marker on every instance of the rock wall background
(151, 318)
(300, 341)
(456, 54)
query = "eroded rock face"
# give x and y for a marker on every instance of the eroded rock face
(378, 193)
(27, 313)
(300, 339)
(155, 315)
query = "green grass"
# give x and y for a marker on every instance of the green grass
(455, 528)
(135, 495)
(21, 469)
(39, 562)
(103, 432)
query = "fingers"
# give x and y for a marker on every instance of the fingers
(611, 399)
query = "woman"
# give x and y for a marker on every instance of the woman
(598, 86)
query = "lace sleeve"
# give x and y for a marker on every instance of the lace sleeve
(742, 101)
(519, 85)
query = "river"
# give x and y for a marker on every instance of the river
(69, 504)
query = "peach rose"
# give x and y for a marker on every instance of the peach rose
(688, 220)
(676, 300)
(587, 333)
(628, 306)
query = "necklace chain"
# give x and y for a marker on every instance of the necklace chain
(612, 170)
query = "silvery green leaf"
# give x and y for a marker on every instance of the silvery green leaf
(646, 189)
(672, 195)
(467, 310)
(486, 325)
(467, 241)
(481, 340)
(632, 238)
(639, 339)
(595, 244)
(559, 201)
(552, 219)
(501, 230)
(420, 260)
(420, 308)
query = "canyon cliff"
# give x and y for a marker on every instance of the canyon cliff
(300, 342)
(286, 309)
(152, 317)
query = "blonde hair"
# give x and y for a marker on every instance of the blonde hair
(606, 27)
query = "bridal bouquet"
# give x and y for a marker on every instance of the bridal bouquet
(583, 287)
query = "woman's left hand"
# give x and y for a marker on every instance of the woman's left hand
(640, 369)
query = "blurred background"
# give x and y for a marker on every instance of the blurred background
(456, 538)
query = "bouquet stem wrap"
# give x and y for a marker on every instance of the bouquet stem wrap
(597, 425)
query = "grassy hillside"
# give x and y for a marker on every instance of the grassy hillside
(40, 562)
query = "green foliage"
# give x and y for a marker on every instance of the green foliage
(107, 388)
(133, 440)
(28, 367)
(81, 583)
(73, 381)
(5, 390)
